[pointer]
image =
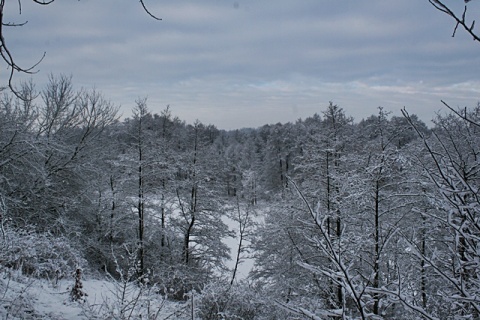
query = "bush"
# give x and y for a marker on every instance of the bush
(40, 255)
(222, 301)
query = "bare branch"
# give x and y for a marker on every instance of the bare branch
(148, 12)
(460, 21)
(462, 116)
(43, 3)
(8, 57)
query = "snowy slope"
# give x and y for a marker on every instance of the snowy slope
(26, 298)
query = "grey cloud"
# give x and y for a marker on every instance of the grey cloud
(213, 58)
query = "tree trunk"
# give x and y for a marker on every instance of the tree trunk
(376, 256)
(141, 222)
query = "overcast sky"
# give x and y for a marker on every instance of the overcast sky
(247, 63)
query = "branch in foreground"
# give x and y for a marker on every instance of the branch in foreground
(8, 57)
(460, 21)
(148, 12)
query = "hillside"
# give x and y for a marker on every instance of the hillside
(332, 217)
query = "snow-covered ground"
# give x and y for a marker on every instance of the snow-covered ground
(23, 297)
(26, 298)
(246, 262)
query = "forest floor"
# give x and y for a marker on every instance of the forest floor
(23, 297)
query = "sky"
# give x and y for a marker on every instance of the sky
(247, 63)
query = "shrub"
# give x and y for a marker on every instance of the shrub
(40, 255)
(223, 301)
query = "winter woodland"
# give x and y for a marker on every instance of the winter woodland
(342, 219)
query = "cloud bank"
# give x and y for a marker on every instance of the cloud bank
(247, 63)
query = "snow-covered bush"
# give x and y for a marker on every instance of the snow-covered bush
(129, 296)
(40, 255)
(221, 300)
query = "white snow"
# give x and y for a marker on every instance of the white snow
(246, 262)
(26, 298)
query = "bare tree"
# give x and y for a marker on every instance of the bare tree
(7, 55)
(140, 114)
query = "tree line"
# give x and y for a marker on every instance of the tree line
(351, 220)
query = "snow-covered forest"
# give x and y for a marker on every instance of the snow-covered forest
(369, 219)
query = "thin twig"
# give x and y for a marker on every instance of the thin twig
(148, 12)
